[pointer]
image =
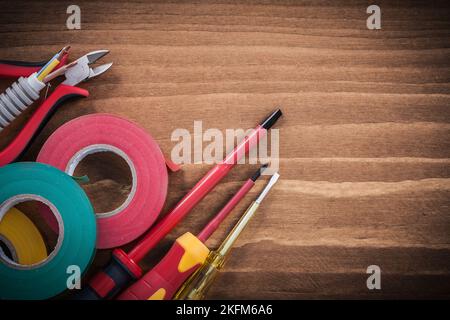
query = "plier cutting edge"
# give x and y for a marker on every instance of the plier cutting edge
(75, 72)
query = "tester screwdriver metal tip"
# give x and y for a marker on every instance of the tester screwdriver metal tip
(196, 287)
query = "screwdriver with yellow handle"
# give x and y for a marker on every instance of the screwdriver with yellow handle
(197, 286)
(186, 255)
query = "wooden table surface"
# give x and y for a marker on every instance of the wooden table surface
(364, 141)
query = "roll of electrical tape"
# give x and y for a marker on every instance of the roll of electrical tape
(75, 246)
(22, 239)
(86, 135)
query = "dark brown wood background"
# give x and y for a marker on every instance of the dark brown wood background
(365, 145)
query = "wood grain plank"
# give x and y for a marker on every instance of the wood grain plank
(364, 143)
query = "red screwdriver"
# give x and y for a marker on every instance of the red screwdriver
(186, 255)
(123, 268)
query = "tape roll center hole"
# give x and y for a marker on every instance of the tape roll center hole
(7, 250)
(110, 180)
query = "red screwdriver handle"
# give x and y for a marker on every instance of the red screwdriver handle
(38, 121)
(161, 283)
(116, 276)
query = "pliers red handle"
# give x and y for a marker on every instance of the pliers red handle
(80, 71)
(15, 69)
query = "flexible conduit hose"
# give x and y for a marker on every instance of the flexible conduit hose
(18, 97)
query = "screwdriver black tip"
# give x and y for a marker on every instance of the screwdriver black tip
(259, 172)
(270, 120)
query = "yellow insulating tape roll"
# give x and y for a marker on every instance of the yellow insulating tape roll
(23, 236)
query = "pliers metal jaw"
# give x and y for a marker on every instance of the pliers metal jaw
(81, 70)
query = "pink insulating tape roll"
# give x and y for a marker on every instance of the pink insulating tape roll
(86, 135)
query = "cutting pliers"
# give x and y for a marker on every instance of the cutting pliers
(75, 72)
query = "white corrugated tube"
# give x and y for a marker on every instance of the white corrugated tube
(18, 97)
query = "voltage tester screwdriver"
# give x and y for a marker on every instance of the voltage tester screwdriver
(186, 255)
(199, 283)
(123, 268)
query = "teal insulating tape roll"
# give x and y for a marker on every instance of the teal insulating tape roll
(75, 247)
